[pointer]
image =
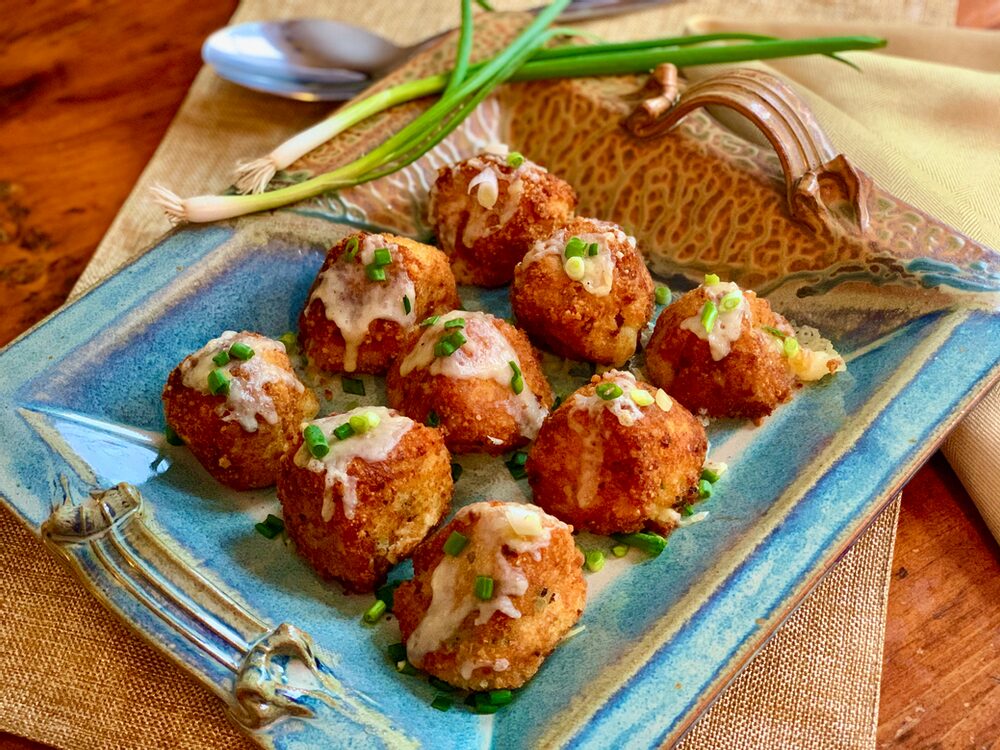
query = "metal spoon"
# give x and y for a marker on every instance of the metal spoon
(316, 59)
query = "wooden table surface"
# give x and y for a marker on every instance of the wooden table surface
(78, 122)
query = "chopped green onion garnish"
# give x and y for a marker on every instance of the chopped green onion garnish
(713, 470)
(575, 268)
(731, 301)
(172, 437)
(455, 543)
(406, 305)
(791, 347)
(449, 344)
(374, 272)
(218, 383)
(289, 339)
(456, 471)
(352, 248)
(501, 697)
(687, 510)
(241, 351)
(515, 159)
(593, 560)
(397, 652)
(439, 684)
(442, 702)
(483, 706)
(517, 381)
(593, 249)
(344, 431)
(609, 391)
(359, 423)
(651, 544)
(221, 359)
(316, 441)
(374, 612)
(270, 527)
(704, 488)
(382, 257)
(711, 279)
(354, 386)
(619, 550)
(709, 313)
(266, 531)
(641, 397)
(575, 248)
(774, 332)
(387, 593)
(515, 464)
(403, 666)
(484, 588)
(662, 294)
(455, 323)
(427, 322)
(433, 420)
(557, 402)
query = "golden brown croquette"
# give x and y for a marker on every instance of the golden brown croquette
(500, 640)
(366, 504)
(617, 456)
(737, 369)
(488, 213)
(479, 400)
(358, 313)
(591, 305)
(240, 433)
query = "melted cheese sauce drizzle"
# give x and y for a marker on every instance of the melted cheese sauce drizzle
(627, 411)
(487, 355)
(452, 594)
(498, 195)
(599, 270)
(247, 398)
(352, 301)
(728, 326)
(373, 446)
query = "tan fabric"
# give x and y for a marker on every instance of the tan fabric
(814, 685)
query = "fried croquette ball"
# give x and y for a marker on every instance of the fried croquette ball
(487, 214)
(357, 509)
(477, 378)
(370, 293)
(617, 456)
(584, 292)
(237, 404)
(713, 352)
(493, 593)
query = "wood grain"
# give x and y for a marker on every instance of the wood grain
(87, 91)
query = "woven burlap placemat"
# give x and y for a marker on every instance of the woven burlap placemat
(77, 678)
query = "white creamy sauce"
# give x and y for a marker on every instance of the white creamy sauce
(498, 194)
(453, 597)
(669, 515)
(728, 325)
(599, 270)
(373, 446)
(352, 301)
(487, 355)
(247, 398)
(625, 410)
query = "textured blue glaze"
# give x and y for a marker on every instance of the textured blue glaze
(92, 376)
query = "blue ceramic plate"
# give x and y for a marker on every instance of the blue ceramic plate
(177, 557)
(83, 390)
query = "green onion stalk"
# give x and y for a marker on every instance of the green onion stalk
(462, 89)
